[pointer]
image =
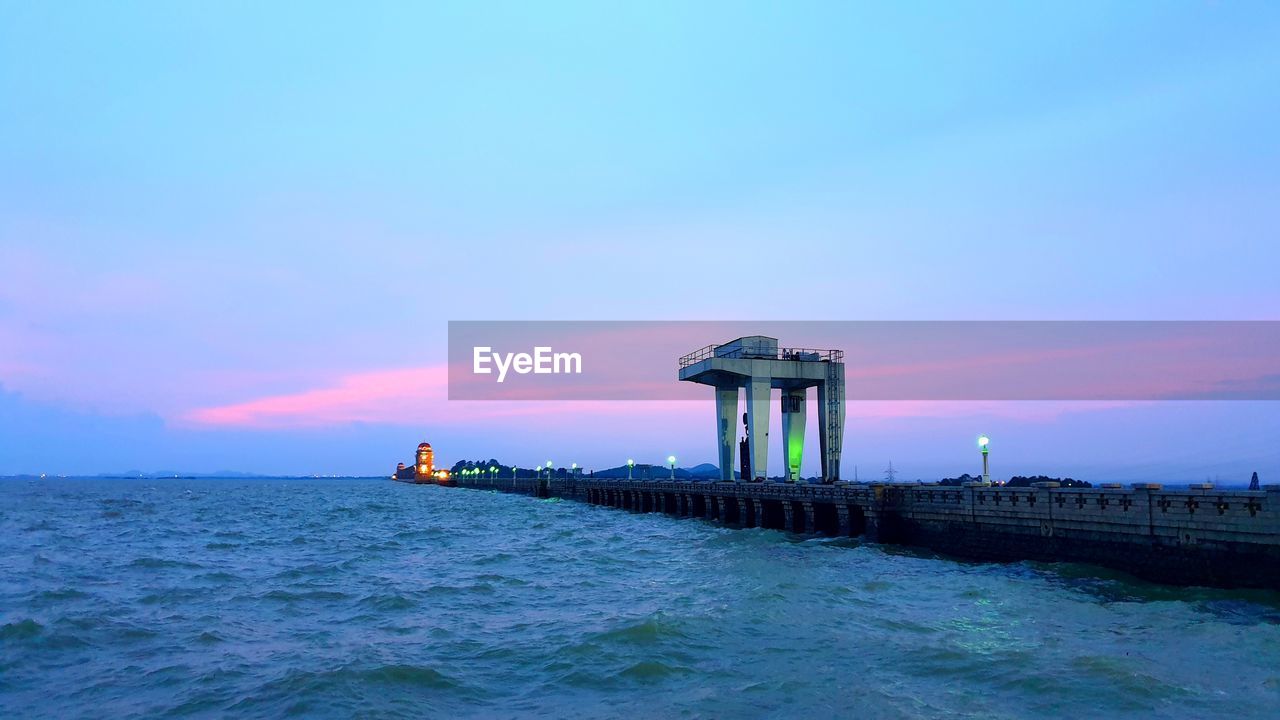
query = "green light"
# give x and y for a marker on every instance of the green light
(984, 441)
(573, 466)
(671, 459)
(630, 462)
(794, 456)
(548, 463)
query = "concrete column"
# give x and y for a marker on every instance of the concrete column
(831, 399)
(757, 508)
(873, 524)
(788, 514)
(758, 426)
(842, 518)
(682, 505)
(824, 440)
(793, 420)
(810, 518)
(727, 429)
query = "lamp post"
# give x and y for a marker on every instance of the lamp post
(549, 470)
(984, 443)
(630, 464)
(573, 469)
(671, 460)
(492, 472)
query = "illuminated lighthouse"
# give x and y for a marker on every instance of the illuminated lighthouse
(425, 460)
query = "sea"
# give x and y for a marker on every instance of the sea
(340, 598)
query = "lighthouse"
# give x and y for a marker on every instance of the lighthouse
(424, 467)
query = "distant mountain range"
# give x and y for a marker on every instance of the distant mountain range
(179, 474)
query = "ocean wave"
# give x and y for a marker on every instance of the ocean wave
(160, 563)
(290, 596)
(20, 629)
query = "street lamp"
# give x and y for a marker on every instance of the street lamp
(984, 443)
(671, 460)
(492, 471)
(630, 464)
(573, 469)
(548, 469)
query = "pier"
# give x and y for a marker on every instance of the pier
(1198, 535)
(1184, 536)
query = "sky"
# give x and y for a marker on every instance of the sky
(212, 207)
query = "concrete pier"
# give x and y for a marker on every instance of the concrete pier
(1185, 536)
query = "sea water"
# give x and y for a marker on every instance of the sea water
(361, 597)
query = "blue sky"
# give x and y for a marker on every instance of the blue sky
(204, 205)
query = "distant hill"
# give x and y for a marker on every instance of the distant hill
(705, 471)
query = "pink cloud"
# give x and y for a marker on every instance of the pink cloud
(379, 396)
(402, 396)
